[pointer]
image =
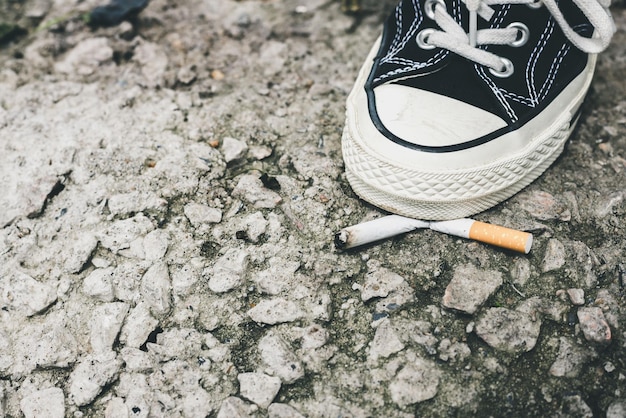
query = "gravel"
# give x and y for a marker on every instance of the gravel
(170, 191)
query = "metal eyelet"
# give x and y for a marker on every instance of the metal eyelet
(422, 39)
(523, 34)
(537, 4)
(507, 71)
(429, 7)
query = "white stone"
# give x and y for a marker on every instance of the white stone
(258, 388)
(127, 279)
(138, 326)
(126, 203)
(593, 325)
(106, 321)
(570, 359)
(82, 249)
(379, 282)
(554, 257)
(197, 404)
(25, 294)
(85, 57)
(233, 407)
(260, 152)
(508, 330)
(47, 344)
(155, 244)
(6, 356)
(136, 360)
(99, 284)
(277, 277)
(251, 189)
(275, 311)
(470, 288)
(576, 296)
(121, 233)
(256, 225)
(280, 358)
(186, 276)
(617, 409)
(386, 341)
(228, 271)
(153, 61)
(416, 382)
(138, 396)
(90, 376)
(200, 215)
(314, 336)
(48, 403)
(282, 410)
(116, 408)
(156, 288)
(233, 149)
(543, 206)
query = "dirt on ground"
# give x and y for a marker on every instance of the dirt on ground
(170, 188)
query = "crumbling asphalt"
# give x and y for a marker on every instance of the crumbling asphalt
(169, 192)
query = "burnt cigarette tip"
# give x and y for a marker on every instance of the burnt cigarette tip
(341, 240)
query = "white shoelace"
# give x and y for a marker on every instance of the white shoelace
(453, 37)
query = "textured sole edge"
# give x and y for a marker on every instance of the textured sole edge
(443, 196)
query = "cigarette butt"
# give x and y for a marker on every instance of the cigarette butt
(501, 237)
(376, 230)
(392, 225)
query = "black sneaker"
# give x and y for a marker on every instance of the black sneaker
(461, 104)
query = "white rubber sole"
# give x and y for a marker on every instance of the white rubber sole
(468, 193)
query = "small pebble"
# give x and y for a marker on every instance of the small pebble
(386, 341)
(258, 388)
(543, 206)
(282, 410)
(25, 294)
(228, 271)
(106, 321)
(233, 407)
(379, 282)
(155, 244)
(280, 358)
(554, 257)
(90, 377)
(275, 311)
(156, 287)
(86, 57)
(200, 215)
(233, 149)
(251, 189)
(138, 326)
(48, 403)
(416, 382)
(314, 337)
(470, 288)
(508, 330)
(576, 296)
(594, 325)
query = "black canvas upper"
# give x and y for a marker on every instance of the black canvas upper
(545, 65)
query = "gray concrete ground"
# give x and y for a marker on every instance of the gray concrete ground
(170, 188)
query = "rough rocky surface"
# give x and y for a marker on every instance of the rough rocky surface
(170, 188)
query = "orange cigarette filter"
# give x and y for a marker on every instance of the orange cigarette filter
(500, 236)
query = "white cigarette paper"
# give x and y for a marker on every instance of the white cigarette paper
(376, 230)
(392, 225)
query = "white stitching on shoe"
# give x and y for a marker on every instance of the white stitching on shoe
(534, 58)
(397, 45)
